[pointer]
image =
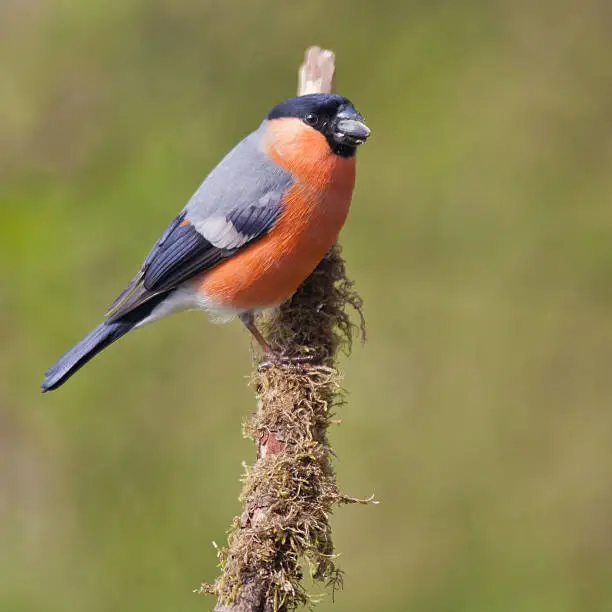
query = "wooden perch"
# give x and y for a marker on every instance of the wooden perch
(290, 491)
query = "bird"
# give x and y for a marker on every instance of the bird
(253, 231)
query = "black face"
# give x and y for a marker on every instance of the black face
(334, 116)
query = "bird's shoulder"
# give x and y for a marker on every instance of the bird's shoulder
(245, 177)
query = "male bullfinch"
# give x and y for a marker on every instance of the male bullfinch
(253, 231)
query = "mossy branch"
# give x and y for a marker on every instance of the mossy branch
(291, 490)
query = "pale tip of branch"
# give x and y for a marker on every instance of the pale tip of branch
(317, 73)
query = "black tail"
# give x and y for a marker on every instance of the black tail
(97, 340)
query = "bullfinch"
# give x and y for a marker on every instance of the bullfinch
(252, 232)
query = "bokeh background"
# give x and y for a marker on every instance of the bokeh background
(480, 410)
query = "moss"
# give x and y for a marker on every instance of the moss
(291, 490)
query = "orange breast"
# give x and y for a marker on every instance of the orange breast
(314, 210)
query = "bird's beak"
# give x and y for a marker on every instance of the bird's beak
(350, 128)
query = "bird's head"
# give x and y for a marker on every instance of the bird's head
(333, 116)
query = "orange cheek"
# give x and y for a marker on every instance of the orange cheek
(301, 150)
(305, 153)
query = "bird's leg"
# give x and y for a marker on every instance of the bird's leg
(273, 358)
(248, 320)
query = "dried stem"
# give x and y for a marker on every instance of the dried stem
(290, 491)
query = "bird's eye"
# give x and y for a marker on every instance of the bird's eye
(311, 119)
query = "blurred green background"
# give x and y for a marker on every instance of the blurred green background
(480, 238)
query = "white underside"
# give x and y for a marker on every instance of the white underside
(187, 298)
